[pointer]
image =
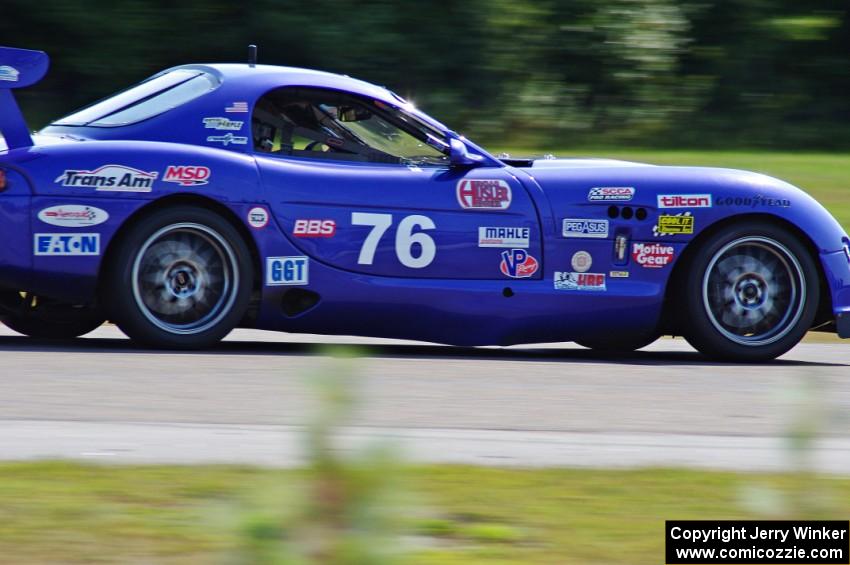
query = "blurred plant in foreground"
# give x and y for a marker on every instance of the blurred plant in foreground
(344, 507)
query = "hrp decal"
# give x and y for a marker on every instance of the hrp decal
(314, 228)
(611, 194)
(222, 124)
(258, 217)
(187, 175)
(65, 244)
(684, 201)
(503, 237)
(580, 281)
(577, 227)
(281, 271)
(73, 216)
(652, 255)
(492, 194)
(114, 178)
(518, 264)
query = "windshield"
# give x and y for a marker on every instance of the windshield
(145, 100)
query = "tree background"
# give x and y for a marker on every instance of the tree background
(528, 73)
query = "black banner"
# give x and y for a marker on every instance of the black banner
(694, 542)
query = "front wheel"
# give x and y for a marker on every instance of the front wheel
(181, 279)
(751, 293)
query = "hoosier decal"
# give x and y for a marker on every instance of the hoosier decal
(114, 178)
(485, 194)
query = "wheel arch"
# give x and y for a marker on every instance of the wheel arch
(187, 200)
(670, 321)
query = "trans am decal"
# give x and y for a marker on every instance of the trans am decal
(113, 178)
(518, 264)
(580, 281)
(73, 216)
(484, 194)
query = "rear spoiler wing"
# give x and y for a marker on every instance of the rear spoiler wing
(19, 68)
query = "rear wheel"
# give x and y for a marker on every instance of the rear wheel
(45, 318)
(181, 279)
(751, 294)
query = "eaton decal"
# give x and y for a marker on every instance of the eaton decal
(518, 264)
(611, 194)
(64, 244)
(73, 216)
(594, 282)
(314, 228)
(503, 237)
(187, 175)
(9, 74)
(110, 178)
(484, 194)
(652, 255)
(282, 271)
(576, 227)
(223, 124)
(684, 201)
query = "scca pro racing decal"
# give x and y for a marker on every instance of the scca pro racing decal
(484, 194)
(518, 264)
(580, 281)
(684, 201)
(64, 244)
(73, 216)
(503, 237)
(281, 271)
(652, 255)
(314, 228)
(611, 194)
(187, 175)
(112, 178)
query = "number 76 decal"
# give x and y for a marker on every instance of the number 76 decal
(404, 238)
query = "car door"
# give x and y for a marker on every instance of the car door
(403, 220)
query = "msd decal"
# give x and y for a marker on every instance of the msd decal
(111, 178)
(684, 201)
(484, 194)
(187, 175)
(611, 194)
(284, 271)
(314, 228)
(73, 216)
(580, 281)
(63, 244)
(652, 255)
(518, 264)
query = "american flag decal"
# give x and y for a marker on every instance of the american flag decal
(237, 108)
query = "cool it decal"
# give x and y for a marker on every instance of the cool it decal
(611, 194)
(73, 216)
(576, 227)
(9, 74)
(484, 194)
(580, 281)
(112, 178)
(63, 244)
(652, 255)
(222, 124)
(503, 237)
(518, 264)
(678, 224)
(187, 175)
(281, 271)
(684, 201)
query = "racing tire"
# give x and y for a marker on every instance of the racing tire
(44, 318)
(751, 293)
(626, 344)
(180, 279)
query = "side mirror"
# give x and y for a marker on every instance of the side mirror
(460, 157)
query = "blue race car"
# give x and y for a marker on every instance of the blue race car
(210, 197)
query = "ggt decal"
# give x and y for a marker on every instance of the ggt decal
(281, 271)
(518, 264)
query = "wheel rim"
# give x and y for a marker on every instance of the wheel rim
(754, 291)
(185, 278)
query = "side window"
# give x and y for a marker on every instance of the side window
(327, 124)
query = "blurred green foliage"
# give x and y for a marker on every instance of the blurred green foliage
(653, 73)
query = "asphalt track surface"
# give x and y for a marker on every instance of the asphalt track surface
(100, 398)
